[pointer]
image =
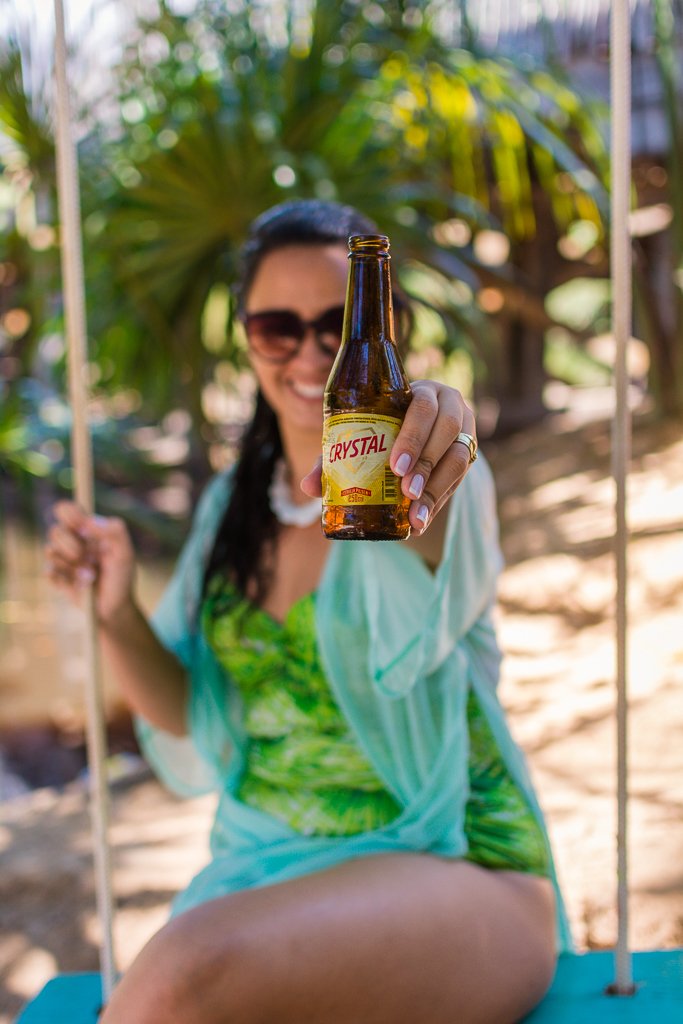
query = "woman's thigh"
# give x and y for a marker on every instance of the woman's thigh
(389, 939)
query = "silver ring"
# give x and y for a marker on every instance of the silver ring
(470, 443)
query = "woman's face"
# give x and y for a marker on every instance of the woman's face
(307, 280)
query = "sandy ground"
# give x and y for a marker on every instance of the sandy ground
(556, 627)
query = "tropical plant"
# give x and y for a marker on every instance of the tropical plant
(225, 114)
(27, 164)
(659, 297)
(234, 107)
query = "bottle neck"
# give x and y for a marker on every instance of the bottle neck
(369, 303)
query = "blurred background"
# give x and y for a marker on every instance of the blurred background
(475, 132)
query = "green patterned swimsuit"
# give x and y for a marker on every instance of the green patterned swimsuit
(303, 763)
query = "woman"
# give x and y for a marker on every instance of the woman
(377, 854)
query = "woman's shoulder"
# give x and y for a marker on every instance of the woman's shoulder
(214, 495)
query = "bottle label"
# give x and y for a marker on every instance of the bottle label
(356, 449)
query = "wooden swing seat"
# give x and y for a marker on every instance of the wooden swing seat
(577, 995)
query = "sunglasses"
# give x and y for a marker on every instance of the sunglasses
(277, 334)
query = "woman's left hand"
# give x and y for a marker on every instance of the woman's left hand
(426, 453)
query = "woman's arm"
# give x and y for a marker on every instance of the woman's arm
(151, 679)
(84, 550)
(430, 543)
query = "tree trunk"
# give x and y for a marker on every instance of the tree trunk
(523, 375)
(658, 307)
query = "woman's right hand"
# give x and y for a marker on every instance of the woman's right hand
(85, 549)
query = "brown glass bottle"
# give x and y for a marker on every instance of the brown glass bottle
(366, 398)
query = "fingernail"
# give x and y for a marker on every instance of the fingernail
(423, 514)
(403, 464)
(417, 486)
(84, 575)
(93, 522)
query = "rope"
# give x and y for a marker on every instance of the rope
(74, 308)
(620, 84)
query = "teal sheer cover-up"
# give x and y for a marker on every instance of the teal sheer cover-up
(401, 648)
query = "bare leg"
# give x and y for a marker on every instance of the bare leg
(390, 939)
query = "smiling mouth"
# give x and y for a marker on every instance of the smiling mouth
(310, 391)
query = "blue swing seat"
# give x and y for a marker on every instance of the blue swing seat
(577, 995)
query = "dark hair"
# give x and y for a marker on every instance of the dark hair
(245, 539)
(297, 222)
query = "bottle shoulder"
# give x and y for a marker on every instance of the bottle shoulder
(369, 365)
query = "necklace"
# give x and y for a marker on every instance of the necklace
(280, 498)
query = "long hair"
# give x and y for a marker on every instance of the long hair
(246, 537)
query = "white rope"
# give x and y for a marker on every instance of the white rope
(74, 307)
(620, 76)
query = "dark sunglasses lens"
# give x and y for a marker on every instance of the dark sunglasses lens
(328, 329)
(331, 324)
(274, 335)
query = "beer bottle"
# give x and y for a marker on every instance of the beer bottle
(366, 398)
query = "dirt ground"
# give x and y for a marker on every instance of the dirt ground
(556, 628)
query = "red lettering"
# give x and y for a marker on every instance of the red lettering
(356, 446)
(356, 493)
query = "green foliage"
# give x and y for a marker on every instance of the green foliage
(565, 361)
(233, 115)
(24, 121)
(240, 105)
(581, 304)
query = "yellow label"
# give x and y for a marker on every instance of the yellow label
(356, 449)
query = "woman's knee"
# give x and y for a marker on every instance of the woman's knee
(185, 975)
